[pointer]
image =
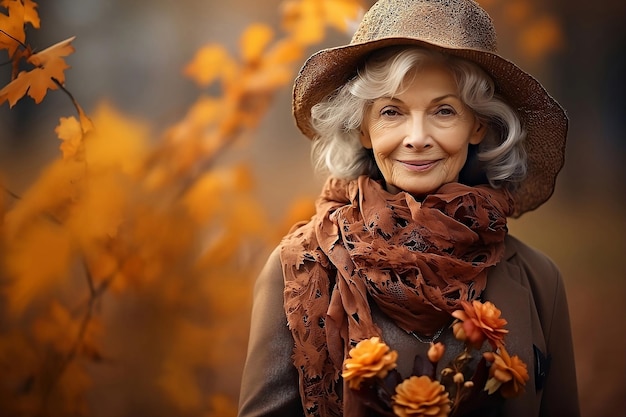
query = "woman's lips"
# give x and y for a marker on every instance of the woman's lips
(418, 165)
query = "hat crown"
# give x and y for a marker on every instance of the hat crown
(449, 23)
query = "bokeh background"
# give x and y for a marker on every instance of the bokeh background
(132, 54)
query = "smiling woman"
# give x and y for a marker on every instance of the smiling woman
(338, 151)
(420, 137)
(431, 141)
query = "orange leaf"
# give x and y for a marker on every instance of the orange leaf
(36, 262)
(50, 67)
(303, 20)
(342, 14)
(30, 13)
(16, 60)
(210, 63)
(13, 26)
(49, 197)
(254, 40)
(117, 140)
(70, 132)
(276, 68)
(60, 329)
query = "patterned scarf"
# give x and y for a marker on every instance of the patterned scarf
(415, 260)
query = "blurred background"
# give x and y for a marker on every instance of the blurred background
(131, 54)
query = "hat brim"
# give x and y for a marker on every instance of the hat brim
(544, 120)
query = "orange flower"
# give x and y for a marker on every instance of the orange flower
(436, 351)
(420, 397)
(369, 358)
(507, 373)
(480, 322)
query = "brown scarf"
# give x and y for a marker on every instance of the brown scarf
(416, 261)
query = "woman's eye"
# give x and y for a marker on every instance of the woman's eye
(445, 111)
(387, 111)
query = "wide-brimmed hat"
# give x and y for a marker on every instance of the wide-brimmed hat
(457, 27)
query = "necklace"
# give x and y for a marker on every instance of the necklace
(428, 339)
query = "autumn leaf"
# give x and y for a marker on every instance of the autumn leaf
(49, 70)
(30, 10)
(115, 140)
(217, 183)
(63, 331)
(211, 62)
(12, 34)
(35, 264)
(165, 224)
(254, 40)
(306, 20)
(342, 14)
(274, 69)
(49, 197)
(101, 208)
(200, 115)
(16, 60)
(70, 132)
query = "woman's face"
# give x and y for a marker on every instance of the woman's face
(420, 137)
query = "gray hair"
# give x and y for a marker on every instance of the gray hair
(337, 149)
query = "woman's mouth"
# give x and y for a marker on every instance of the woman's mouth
(419, 166)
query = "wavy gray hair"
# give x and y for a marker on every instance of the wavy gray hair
(337, 149)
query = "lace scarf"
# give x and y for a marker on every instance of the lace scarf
(415, 260)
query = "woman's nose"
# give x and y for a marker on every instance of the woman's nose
(417, 133)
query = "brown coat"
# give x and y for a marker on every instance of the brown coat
(526, 286)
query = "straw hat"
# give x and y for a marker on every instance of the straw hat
(457, 27)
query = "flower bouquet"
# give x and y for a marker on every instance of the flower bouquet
(456, 390)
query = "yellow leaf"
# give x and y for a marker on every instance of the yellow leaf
(203, 198)
(101, 208)
(341, 14)
(116, 140)
(208, 193)
(304, 21)
(37, 261)
(49, 197)
(200, 115)
(30, 10)
(254, 40)
(211, 62)
(284, 52)
(50, 69)
(101, 262)
(13, 26)
(71, 134)
(62, 331)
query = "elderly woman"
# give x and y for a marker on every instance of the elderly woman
(431, 140)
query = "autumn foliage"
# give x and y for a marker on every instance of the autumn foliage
(123, 224)
(129, 223)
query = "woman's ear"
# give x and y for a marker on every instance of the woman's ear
(479, 132)
(364, 136)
